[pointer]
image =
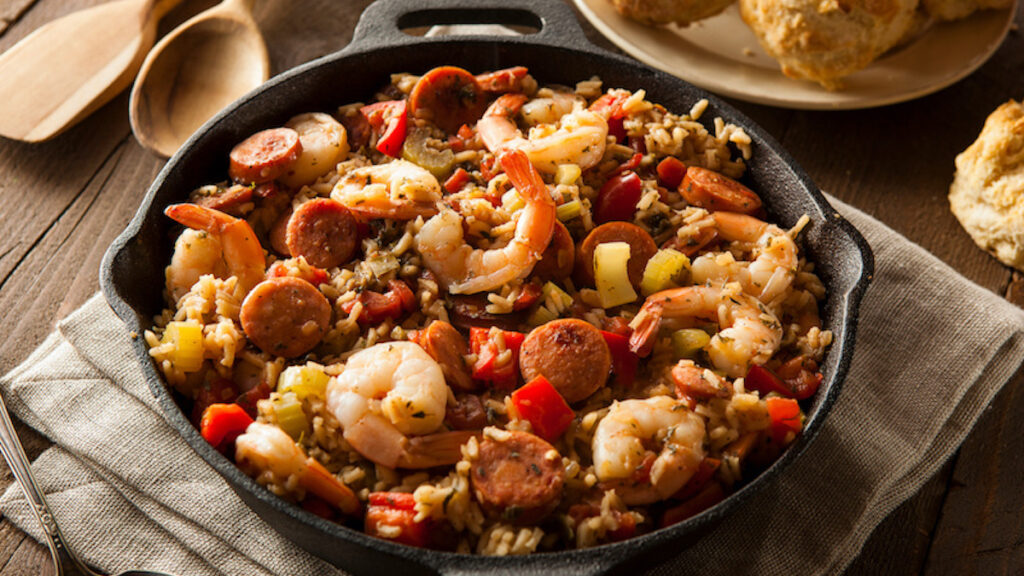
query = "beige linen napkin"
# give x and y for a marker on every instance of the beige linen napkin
(130, 493)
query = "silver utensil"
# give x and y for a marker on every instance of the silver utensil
(64, 558)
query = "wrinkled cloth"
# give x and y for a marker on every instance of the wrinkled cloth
(130, 493)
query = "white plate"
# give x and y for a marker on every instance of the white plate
(722, 55)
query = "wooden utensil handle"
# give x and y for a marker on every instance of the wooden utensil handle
(158, 8)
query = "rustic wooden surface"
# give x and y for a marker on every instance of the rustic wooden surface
(63, 202)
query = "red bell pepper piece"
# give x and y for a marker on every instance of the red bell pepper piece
(618, 198)
(391, 119)
(617, 128)
(528, 297)
(395, 509)
(502, 377)
(624, 361)
(630, 164)
(456, 181)
(785, 418)
(801, 386)
(222, 423)
(670, 172)
(540, 403)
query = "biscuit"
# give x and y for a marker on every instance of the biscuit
(987, 194)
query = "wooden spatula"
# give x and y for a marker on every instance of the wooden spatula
(68, 68)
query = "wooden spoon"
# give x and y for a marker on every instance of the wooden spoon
(194, 72)
(71, 66)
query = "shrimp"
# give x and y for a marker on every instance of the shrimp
(266, 449)
(466, 270)
(622, 448)
(390, 401)
(576, 138)
(749, 334)
(549, 106)
(218, 244)
(774, 266)
(398, 190)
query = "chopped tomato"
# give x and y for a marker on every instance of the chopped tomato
(624, 361)
(618, 198)
(502, 377)
(464, 139)
(391, 119)
(528, 297)
(312, 274)
(456, 181)
(378, 307)
(222, 423)
(801, 376)
(540, 403)
(610, 105)
(712, 494)
(617, 128)
(786, 418)
(630, 164)
(390, 510)
(637, 144)
(705, 472)
(218, 391)
(670, 172)
(318, 506)
(487, 168)
(247, 400)
(801, 386)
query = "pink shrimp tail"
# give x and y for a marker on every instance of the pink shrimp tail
(641, 342)
(324, 484)
(199, 217)
(525, 177)
(506, 105)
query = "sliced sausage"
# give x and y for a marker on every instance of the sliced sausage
(556, 262)
(570, 353)
(713, 191)
(279, 234)
(323, 231)
(285, 316)
(264, 156)
(448, 347)
(449, 97)
(467, 413)
(641, 249)
(518, 478)
(471, 311)
(691, 381)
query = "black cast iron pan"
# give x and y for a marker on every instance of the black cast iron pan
(132, 271)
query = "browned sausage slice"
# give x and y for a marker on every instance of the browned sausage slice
(557, 260)
(641, 249)
(227, 200)
(323, 231)
(519, 477)
(570, 353)
(448, 347)
(264, 156)
(713, 191)
(279, 233)
(471, 311)
(467, 413)
(285, 316)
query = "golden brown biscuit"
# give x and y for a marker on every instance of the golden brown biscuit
(987, 194)
(824, 40)
(681, 12)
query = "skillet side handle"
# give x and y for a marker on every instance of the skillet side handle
(382, 22)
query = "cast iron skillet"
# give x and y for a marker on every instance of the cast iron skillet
(132, 271)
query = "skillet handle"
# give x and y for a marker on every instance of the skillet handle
(382, 22)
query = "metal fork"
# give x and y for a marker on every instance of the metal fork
(64, 558)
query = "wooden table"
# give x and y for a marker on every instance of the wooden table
(64, 201)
